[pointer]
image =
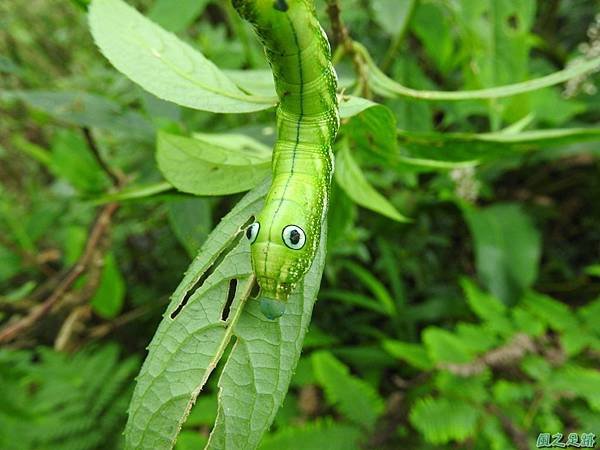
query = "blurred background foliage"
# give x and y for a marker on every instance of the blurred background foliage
(474, 326)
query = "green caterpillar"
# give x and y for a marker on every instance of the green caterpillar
(287, 231)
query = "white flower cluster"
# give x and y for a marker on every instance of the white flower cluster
(588, 50)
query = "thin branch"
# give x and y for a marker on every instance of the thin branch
(116, 178)
(98, 231)
(28, 257)
(343, 40)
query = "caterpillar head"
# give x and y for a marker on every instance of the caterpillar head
(283, 248)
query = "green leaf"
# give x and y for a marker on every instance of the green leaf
(393, 16)
(443, 346)
(313, 435)
(84, 109)
(212, 164)
(389, 88)
(351, 106)
(352, 180)
(507, 249)
(72, 159)
(108, 299)
(164, 65)
(191, 222)
(443, 420)
(593, 270)
(179, 18)
(579, 381)
(484, 305)
(256, 82)
(556, 314)
(258, 372)
(353, 397)
(193, 337)
(433, 27)
(414, 354)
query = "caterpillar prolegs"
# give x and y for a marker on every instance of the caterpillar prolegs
(286, 234)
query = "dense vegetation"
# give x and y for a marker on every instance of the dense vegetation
(460, 301)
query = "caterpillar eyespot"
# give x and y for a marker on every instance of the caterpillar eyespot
(252, 232)
(293, 237)
(307, 124)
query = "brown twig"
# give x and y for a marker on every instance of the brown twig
(102, 330)
(28, 257)
(116, 178)
(343, 39)
(98, 231)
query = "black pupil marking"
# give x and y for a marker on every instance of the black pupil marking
(249, 232)
(294, 237)
(280, 5)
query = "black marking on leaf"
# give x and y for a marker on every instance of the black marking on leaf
(280, 5)
(208, 272)
(230, 296)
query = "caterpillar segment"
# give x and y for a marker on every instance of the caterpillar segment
(286, 234)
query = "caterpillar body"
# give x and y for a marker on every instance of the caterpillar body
(285, 236)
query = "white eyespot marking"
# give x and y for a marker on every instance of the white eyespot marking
(252, 231)
(293, 237)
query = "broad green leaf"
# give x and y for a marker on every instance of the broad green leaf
(579, 381)
(352, 106)
(389, 88)
(84, 109)
(393, 16)
(178, 18)
(353, 397)
(593, 270)
(191, 222)
(196, 330)
(552, 312)
(496, 35)
(108, 299)
(256, 82)
(259, 370)
(164, 65)
(72, 159)
(507, 249)
(445, 347)
(351, 179)
(483, 304)
(373, 129)
(414, 354)
(434, 28)
(441, 420)
(212, 164)
(313, 436)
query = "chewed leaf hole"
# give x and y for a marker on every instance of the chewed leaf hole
(211, 269)
(230, 297)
